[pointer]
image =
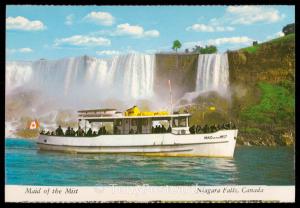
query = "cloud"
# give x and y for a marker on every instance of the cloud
(151, 33)
(126, 29)
(83, 40)
(22, 23)
(135, 31)
(222, 29)
(19, 50)
(132, 51)
(193, 44)
(151, 51)
(246, 15)
(279, 34)
(275, 35)
(209, 28)
(25, 50)
(69, 19)
(200, 28)
(102, 18)
(230, 40)
(233, 41)
(252, 14)
(108, 52)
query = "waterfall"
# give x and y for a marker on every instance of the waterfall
(212, 73)
(17, 74)
(124, 76)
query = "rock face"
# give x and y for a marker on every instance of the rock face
(181, 69)
(273, 63)
(287, 138)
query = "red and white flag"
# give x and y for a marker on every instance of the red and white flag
(34, 124)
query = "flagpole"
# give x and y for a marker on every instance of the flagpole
(171, 101)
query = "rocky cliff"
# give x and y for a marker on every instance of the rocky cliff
(262, 81)
(181, 69)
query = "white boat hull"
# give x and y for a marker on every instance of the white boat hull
(218, 144)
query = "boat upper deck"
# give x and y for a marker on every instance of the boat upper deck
(108, 114)
(95, 116)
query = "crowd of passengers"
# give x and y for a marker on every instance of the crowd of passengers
(197, 129)
(161, 129)
(102, 131)
(72, 132)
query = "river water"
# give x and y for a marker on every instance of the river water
(25, 165)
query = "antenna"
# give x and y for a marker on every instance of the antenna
(171, 101)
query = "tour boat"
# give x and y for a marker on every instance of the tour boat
(132, 132)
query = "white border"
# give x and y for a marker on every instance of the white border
(16, 193)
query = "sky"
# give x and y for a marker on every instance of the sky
(55, 32)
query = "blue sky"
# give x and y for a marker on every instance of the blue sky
(54, 32)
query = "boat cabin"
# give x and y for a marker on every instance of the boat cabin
(133, 121)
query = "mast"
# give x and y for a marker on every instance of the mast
(171, 101)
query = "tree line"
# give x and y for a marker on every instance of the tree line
(208, 49)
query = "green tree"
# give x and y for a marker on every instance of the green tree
(197, 49)
(176, 45)
(205, 50)
(277, 106)
(289, 29)
(209, 49)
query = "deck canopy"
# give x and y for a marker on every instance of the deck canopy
(97, 110)
(105, 112)
(113, 118)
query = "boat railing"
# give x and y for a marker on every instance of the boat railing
(103, 134)
(95, 115)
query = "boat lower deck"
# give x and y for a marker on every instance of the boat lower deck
(186, 152)
(219, 144)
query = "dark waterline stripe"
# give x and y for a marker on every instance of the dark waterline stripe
(164, 151)
(176, 144)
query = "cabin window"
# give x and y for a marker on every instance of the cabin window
(175, 122)
(118, 122)
(179, 122)
(133, 122)
(182, 122)
(145, 122)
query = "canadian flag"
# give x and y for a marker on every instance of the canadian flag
(34, 124)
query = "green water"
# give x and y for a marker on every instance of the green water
(25, 165)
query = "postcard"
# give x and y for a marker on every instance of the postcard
(150, 103)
